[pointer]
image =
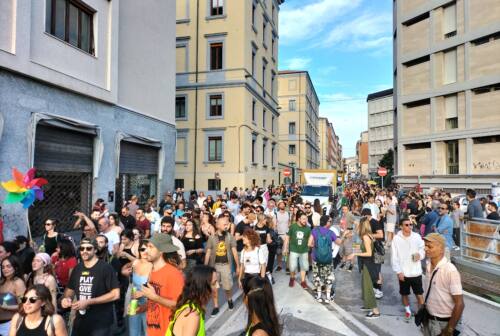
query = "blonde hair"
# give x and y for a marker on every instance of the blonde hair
(251, 216)
(261, 217)
(364, 227)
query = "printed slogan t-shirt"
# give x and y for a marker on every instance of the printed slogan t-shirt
(168, 283)
(93, 282)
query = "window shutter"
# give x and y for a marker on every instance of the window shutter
(450, 19)
(450, 105)
(450, 67)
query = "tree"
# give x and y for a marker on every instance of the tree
(387, 160)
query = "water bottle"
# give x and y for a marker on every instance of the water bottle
(132, 309)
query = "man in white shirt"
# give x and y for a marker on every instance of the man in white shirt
(113, 237)
(373, 207)
(407, 250)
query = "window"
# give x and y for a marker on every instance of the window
(264, 66)
(178, 183)
(264, 150)
(264, 113)
(291, 128)
(254, 9)
(273, 154)
(264, 25)
(214, 184)
(215, 106)
(216, 56)
(291, 149)
(292, 105)
(452, 157)
(423, 145)
(254, 106)
(450, 106)
(273, 77)
(180, 107)
(254, 149)
(216, 7)
(272, 46)
(71, 21)
(450, 20)
(273, 119)
(214, 148)
(254, 54)
(450, 67)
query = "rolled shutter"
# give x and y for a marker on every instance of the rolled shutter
(138, 159)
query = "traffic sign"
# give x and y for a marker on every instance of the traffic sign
(382, 171)
(287, 172)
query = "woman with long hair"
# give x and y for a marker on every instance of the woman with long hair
(43, 274)
(369, 274)
(64, 261)
(253, 259)
(317, 207)
(114, 223)
(264, 228)
(11, 288)
(206, 226)
(189, 316)
(262, 316)
(37, 315)
(129, 247)
(139, 271)
(50, 237)
(193, 244)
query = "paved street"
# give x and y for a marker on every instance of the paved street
(302, 315)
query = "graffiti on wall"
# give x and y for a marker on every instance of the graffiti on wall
(487, 165)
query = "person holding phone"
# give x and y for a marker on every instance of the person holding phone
(407, 250)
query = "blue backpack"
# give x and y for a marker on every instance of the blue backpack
(323, 250)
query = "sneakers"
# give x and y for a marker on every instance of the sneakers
(407, 317)
(378, 293)
(272, 280)
(292, 282)
(215, 311)
(372, 315)
(303, 284)
(349, 269)
(230, 304)
(456, 248)
(342, 265)
(319, 299)
(278, 269)
(327, 300)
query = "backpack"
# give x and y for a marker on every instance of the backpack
(323, 251)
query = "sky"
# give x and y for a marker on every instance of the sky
(346, 45)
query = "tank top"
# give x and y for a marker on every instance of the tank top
(38, 331)
(256, 327)
(201, 327)
(137, 282)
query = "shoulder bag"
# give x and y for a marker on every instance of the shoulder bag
(422, 315)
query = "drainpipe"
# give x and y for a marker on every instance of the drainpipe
(196, 95)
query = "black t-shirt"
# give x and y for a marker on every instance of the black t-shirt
(128, 222)
(192, 244)
(376, 225)
(262, 233)
(91, 283)
(240, 228)
(50, 244)
(222, 250)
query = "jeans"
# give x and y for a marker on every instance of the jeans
(299, 258)
(137, 325)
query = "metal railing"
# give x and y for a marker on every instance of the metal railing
(480, 241)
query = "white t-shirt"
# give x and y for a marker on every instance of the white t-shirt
(181, 251)
(252, 260)
(113, 239)
(282, 221)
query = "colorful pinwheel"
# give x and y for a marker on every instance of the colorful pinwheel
(24, 188)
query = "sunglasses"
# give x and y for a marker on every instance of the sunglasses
(86, 248)
(308, 207)
(48, 224)
(142, 249)
(443, 208)
(408, 224)
(32, 299)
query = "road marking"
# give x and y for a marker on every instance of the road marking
(348, 316)
(222, 309)
(481, 299)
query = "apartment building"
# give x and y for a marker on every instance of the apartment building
(447, 93)
(362, 153)
(351, 166)
(87, 94)
(329, 146)
(226, 103)
(380, 127)
(299, 121)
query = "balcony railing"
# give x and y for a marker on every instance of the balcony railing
(480, 241)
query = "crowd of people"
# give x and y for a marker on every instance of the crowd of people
(153, 268)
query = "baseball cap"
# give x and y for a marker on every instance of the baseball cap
(163, 242)
(89, 241)
(435, 238)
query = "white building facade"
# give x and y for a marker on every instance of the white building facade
(380, 127)
(87, 98)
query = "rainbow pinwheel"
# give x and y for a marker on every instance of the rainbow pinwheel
(24, 188)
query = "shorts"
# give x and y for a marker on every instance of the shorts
(415, 283)
(296, 259)
(322, 275)
(390, 227)
(346, 247)
(224, 276)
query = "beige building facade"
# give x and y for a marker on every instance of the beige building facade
(329, 146)
(299, 121)
(447, 93)
(380, 127)
(226, 103)
(362, 153)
